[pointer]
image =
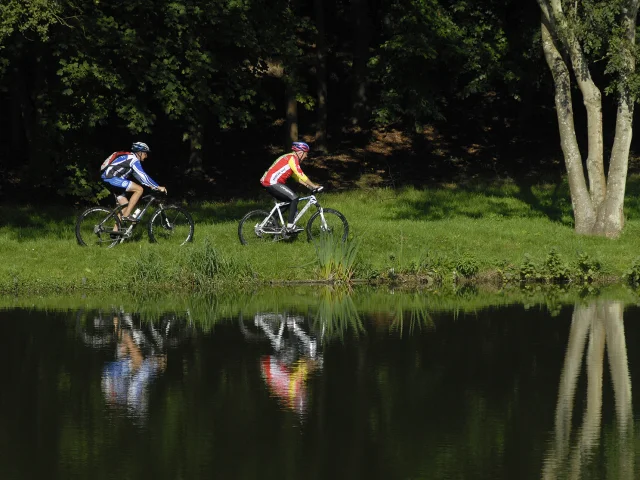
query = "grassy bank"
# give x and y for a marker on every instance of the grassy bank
(505, 232)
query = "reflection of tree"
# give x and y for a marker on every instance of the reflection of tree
(600, 323)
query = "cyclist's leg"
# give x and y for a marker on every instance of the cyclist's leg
(137, 193)
(115, 185)
(285, 194)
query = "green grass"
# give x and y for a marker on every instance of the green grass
(400, 233)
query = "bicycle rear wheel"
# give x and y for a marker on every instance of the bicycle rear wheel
(95, 228)
(331, 222)
(249, 231)
(172, 225)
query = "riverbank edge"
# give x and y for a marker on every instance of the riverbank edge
(492, 280)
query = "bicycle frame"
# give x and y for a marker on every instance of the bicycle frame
(126, 233)
(311, 200)
(151, 199)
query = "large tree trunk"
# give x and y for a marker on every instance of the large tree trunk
(597, 210)
(321, 75)
(584, 213)
(610, 219)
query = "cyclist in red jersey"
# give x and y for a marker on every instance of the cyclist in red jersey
(275, 177)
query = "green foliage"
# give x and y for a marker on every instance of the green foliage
(555, 269)
(588, 267)
(77, 185)
(88, 64)
(33, 16)
(528, 270)
(424, 39)
(467, 266)
(632, 274)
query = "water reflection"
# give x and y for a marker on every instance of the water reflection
(139, 355)
(139, 359)
(600, 327)
(295, 355)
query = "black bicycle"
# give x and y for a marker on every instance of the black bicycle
(262, 226)
(104, 227)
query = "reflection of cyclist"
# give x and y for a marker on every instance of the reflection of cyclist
(275, 177)
(296, 357)
(126, 380)
(288, 382)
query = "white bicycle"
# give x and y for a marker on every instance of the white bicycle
(260, 226)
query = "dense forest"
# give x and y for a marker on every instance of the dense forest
(387, 92)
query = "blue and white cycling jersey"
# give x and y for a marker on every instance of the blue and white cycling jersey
(125, 165)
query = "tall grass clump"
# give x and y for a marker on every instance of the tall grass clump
(148, 269)
(204, 266)
(337, 259)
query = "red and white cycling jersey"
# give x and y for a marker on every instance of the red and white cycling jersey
(282, 169)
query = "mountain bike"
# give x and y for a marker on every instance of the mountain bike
(104, 227)
(261, 226)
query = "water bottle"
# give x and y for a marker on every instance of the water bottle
(136, 213)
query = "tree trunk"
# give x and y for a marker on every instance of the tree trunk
(292, 114)
(592, 99)
(33, 126)
(18, 146)
(610, 220)
(583, 211)
(321, 75)
(598, 210)
(362, 36)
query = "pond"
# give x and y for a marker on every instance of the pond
(320, 386)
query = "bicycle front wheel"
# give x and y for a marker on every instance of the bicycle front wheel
(250, 232)
(172, 225)
(327, 222)
(95, 227)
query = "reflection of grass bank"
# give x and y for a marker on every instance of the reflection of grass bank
(335, 310)
(478, 234)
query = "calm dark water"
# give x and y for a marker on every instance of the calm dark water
(504, 393)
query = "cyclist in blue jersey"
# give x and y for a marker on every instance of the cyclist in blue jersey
(117, 176)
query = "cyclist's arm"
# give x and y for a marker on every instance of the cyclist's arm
(142, 177)
(299, 175)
